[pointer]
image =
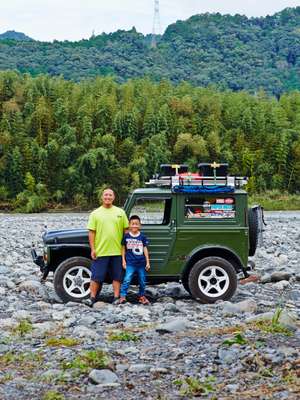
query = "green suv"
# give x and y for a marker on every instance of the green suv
(200, 229)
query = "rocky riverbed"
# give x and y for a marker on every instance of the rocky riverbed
(175, 348)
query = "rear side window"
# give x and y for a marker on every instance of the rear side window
(152, 211)
(202, 207)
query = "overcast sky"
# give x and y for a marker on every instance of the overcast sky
(76, 19)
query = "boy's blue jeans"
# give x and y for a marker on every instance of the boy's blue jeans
(130, 271)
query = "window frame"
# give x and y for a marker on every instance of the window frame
(155, 198)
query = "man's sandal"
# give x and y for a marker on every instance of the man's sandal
(144, 300)
(121, 300)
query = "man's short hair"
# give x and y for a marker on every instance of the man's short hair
(108, 188)
(135, 217)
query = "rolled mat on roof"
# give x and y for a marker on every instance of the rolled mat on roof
(202, 189)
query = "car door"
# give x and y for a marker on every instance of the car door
(157, 214)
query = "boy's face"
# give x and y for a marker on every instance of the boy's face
(134, 225)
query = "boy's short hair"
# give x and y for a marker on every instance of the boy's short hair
(135, 217)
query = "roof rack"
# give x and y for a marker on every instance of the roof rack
(196, 182)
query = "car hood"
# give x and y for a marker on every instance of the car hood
(66, 236)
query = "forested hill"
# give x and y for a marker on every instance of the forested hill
(13, 35)
(233, 52)
(62, 141)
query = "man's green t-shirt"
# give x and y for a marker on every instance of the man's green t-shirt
(109, 224)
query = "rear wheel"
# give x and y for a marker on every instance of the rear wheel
(212, 279)
(72, 279)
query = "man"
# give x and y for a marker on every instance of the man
(106, 227)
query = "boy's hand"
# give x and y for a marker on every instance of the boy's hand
(147, 267)
(124, 264)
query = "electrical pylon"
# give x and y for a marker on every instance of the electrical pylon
(156, 23)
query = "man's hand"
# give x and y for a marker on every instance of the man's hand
(93, 254)
(124, 264)
(147, 267)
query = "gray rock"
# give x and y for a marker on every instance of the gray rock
(51, 373)
(139, 368)
(280, 276)
(43, 329)
(294, 295)
(175, 289)
(87, 320)
(99, 305)
(289, 319)
(8, 323)
(175, 325)
(4, 270)
(122, 368)
(21, 314)
(103, 376)
(241, 307)
(34, 288)
(84, 332)
(166, 299)
(266, 278)
(61, 315)
(281, 285)
(286, 318)
(233, 387)
(228, 356)
(3, 348)
(159, 370)
(171, 307)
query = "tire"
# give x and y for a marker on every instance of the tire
(72, 279)
(253, 230)
(214, 271)
(185, 284)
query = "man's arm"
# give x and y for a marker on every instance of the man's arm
(123, 257)
(146, 253)
(92, 235)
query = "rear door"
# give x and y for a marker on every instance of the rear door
(157, 215)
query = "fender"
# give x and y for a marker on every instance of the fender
(59, 252)
(206, 251)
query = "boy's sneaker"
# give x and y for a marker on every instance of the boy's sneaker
(121, 300)
(144, 300)
(90, 302)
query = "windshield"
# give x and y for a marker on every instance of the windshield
(126, 201)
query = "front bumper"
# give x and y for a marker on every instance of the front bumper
(38, 260)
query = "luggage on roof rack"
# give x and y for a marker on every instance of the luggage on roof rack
(207, 169)
(172, 169)
(208, 179)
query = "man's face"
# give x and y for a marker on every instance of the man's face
(108, 197)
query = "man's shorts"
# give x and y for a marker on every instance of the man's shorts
(107, 265)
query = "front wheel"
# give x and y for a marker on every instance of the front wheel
(212, 279)
(72, 279)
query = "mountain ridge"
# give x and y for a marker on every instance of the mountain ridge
(13, 35)
(229, 51)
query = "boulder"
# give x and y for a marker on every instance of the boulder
(103, 376)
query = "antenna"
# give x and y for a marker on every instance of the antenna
(156, 23)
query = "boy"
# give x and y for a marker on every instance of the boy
(135, 258)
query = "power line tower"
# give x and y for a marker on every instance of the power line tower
(156, 23)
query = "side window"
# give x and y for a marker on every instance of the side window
(152, 211)
(207, 207)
